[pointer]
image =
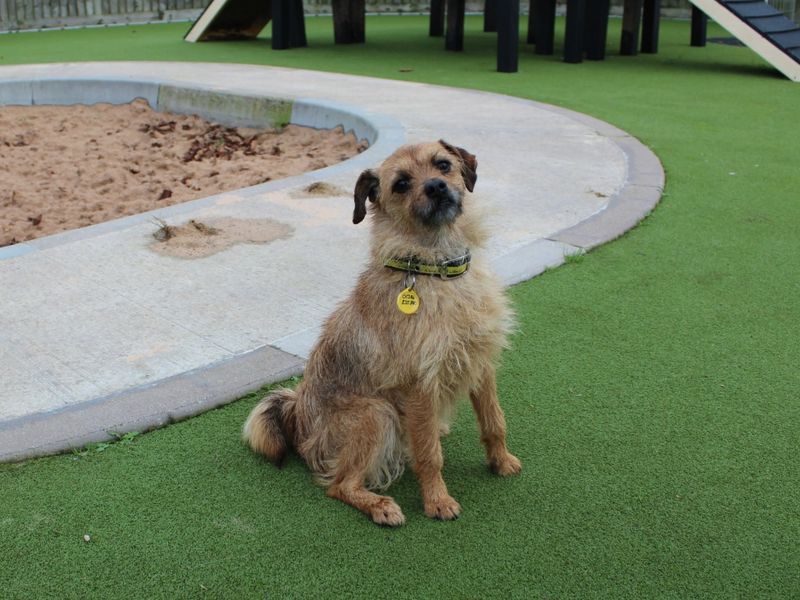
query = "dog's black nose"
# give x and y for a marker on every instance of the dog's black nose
(435, 188)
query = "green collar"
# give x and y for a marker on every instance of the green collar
(446, 269)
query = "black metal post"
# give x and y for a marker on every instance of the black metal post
(631, 24)
(651, 17)
(544, 16)
(436, 28)
(596, 29)
(280, 24)
(573, 37)
(348, 21)
(699, 27)
(454, 36)
(507, 35)
(297, 25)
(531, 39)
(490, 16)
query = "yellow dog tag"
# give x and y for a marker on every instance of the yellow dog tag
(408, 301)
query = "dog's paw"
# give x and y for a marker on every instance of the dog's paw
(387, 512)
(506, 465)
(443, 509)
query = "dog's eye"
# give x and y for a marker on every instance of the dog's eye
(444, 166)
(401, 186)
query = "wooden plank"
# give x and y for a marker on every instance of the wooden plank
(776, 24)
(748, 10)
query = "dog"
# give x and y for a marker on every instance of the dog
(423, 327)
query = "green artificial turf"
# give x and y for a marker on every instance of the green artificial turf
(651, 391)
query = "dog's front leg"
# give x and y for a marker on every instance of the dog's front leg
(422, 426)
(492, 424)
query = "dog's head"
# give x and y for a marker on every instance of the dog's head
(419, 185)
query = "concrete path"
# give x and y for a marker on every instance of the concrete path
(99, 333)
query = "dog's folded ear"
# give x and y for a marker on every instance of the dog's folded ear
(367, 186)
(469, 164)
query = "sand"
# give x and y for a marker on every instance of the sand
(198, 239)
(65, 167)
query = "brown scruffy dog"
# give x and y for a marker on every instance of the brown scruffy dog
(423, 327)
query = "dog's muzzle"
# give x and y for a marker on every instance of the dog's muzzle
(436, 188)
(443, 206)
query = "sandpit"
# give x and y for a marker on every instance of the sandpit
(66, 167)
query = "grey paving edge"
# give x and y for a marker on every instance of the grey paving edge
(193, 392)
(636, 199)
(147, 407)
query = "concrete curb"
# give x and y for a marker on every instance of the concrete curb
(146, 407)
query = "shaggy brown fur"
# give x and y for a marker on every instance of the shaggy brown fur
(380, 385)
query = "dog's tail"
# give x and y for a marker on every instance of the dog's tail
(270, 428)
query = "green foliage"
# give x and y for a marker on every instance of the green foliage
(122, 439)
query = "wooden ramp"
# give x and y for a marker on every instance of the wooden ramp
(230, 19)
(244, 19)
(765, 30)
